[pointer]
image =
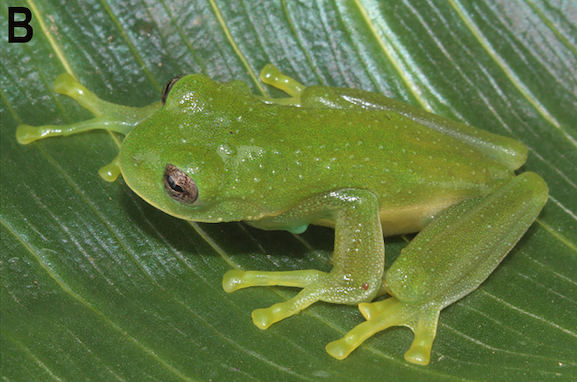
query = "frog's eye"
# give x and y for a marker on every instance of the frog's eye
(179, 186)
(168, 86)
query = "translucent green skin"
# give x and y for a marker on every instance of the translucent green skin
(362, 163)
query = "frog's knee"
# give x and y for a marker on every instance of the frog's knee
(537, 185)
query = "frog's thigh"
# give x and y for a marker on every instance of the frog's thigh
(450, 258)
(358, 258)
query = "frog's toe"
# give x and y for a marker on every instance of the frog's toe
(27, 134)
(317, 286)
(236, 279)
(369, 310)
(340, 349)
(233, 280)
(65, 83)
(111, 171)
(419, 354)
(421, 319)
(112, 117)
(264, 318)
(270, 75)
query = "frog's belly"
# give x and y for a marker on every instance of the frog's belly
(405, 219)
(408, 219)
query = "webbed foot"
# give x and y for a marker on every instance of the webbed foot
(108, 116)
(421, 319)
(317, 286)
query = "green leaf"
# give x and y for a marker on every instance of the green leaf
(98, 285)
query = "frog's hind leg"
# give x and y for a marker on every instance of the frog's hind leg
(447, 260)
(270, 75)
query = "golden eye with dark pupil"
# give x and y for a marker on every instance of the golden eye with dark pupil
(168, 86)
(179, 186)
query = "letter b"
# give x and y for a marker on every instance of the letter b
(13, 24)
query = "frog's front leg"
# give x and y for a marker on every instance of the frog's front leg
(108, 116)
(449, 259)
(358, 258)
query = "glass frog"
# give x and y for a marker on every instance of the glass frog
(365, 164)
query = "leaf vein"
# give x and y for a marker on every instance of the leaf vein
(235, 47)
(392, 56)
(130, 44)
(507, 70)
(55, 47)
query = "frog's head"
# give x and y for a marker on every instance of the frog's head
(169, 159)
(181, 180)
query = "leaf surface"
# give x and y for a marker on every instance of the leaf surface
(99, 285)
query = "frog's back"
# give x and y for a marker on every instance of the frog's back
(415, 171)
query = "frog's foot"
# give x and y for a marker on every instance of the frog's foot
(421, 319)
(109, 116)
(270, 75)
(317, 286)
